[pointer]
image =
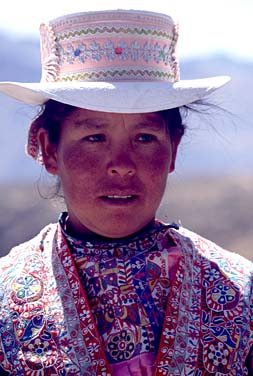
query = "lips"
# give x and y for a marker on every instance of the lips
(123, 197)
(119, 199)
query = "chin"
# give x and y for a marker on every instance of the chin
(119, 231)
(107, 233)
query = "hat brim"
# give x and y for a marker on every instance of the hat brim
(118, 97)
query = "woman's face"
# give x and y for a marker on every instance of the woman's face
(113, 169)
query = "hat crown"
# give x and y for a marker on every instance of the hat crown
(119, 45)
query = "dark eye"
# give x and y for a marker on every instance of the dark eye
(146, 138)
(95, 138)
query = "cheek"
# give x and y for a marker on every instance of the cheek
(74, 160)
(78, 170)
(158, 163)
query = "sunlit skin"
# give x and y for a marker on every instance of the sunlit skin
(113, 169)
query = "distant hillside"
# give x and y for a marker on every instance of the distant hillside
(217, 208)
(225, 149)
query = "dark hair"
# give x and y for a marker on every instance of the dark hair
(174, 122)
(50, 118)
(52, 114)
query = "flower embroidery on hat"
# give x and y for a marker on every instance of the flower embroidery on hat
(95, 52)
(118, 50)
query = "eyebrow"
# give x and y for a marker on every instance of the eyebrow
(154, 125)
(98, 123)
(90, 124)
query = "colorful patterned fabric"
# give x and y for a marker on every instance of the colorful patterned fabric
(47, 326)
(127, 283)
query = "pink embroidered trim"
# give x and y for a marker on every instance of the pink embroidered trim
(49, 56)
(32, 146)
(124, 46)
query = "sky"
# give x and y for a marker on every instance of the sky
(207, 27)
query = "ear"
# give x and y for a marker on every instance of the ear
(49, 152)
(174, 147)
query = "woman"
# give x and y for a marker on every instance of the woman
(110, 289)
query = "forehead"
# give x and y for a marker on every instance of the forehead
(82, 117)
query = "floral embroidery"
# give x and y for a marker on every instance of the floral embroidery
(147, 52)
(39, 350)
(218, 355)
(121, 345)
(212, 275)
(95, 52)
(222, 294)
(26, 288)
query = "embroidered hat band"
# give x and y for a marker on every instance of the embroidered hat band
(110, 46)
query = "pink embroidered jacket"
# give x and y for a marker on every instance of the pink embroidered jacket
(47, 328)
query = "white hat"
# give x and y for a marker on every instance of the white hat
(121, 61)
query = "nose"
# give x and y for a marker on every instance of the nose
(121, 164)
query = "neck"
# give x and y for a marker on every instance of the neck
(90, 235)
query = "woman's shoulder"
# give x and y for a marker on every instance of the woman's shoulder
(205, 248)
(214, 269)
(18, 254)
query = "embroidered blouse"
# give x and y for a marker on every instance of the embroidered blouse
(127, 283)
(52, 322)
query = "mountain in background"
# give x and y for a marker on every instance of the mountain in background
(217, 143)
